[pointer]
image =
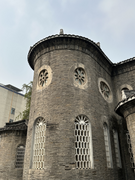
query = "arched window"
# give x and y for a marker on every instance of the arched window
(123, 95)
(20, 156)
(107, 146)
(117, 148)
(83, 143)
(39, 144)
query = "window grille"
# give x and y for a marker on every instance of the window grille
(83, 143)
(104, 89)
(117, 149)
(107, 146)
(43, 77)
(130, 151)
(20, 157)
(80, 76)
(39, 144)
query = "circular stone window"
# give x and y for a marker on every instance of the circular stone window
(105, 90)
(79, 76)
(44, 77)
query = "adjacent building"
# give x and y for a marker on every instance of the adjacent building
(12, 103)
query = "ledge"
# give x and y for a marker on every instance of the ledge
(64, 39)
(125, 105)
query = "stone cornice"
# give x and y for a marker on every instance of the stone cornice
(126, 106)
(79, 43)
(64, 41)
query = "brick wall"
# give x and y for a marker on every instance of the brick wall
(60, 103)
(9, 141)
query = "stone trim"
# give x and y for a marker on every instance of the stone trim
(67, 36)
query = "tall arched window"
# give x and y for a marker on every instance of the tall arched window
(20, 156)
(107, 146)
(39, 144)
(83, 143)
(117, 148)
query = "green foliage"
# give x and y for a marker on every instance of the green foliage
(28, 91)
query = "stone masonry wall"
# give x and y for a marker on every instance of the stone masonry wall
(59, 104)
(9, 141)
(124, 77)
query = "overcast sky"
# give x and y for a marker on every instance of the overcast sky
(24, 22)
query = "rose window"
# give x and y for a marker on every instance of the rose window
(43, 77)
(104, 89)
(79, 76)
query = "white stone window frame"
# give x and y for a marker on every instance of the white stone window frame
(117, 148)
(80, 152)
(110, 98)
(107, 142)
(38, 151)
(20, 152)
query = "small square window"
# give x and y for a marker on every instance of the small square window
(11, 120)
(12, 110)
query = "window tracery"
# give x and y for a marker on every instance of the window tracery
(83, 143)
(43, 77)
(39, 144)
(79, 76)
(104, 89)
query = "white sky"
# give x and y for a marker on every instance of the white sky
(24, 22)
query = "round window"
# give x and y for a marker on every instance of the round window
(79, 76)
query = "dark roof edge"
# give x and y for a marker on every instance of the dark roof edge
(68, 36)
(125, 61)
(18, 125)
(11, 90)
(83, 38)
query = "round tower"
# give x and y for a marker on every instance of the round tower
(69, 123)
(126, 109)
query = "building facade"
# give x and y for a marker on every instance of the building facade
(79, 127)
(12, 148)
(12, 103)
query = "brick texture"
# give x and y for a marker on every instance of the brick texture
(9, 141)
(62, 101)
